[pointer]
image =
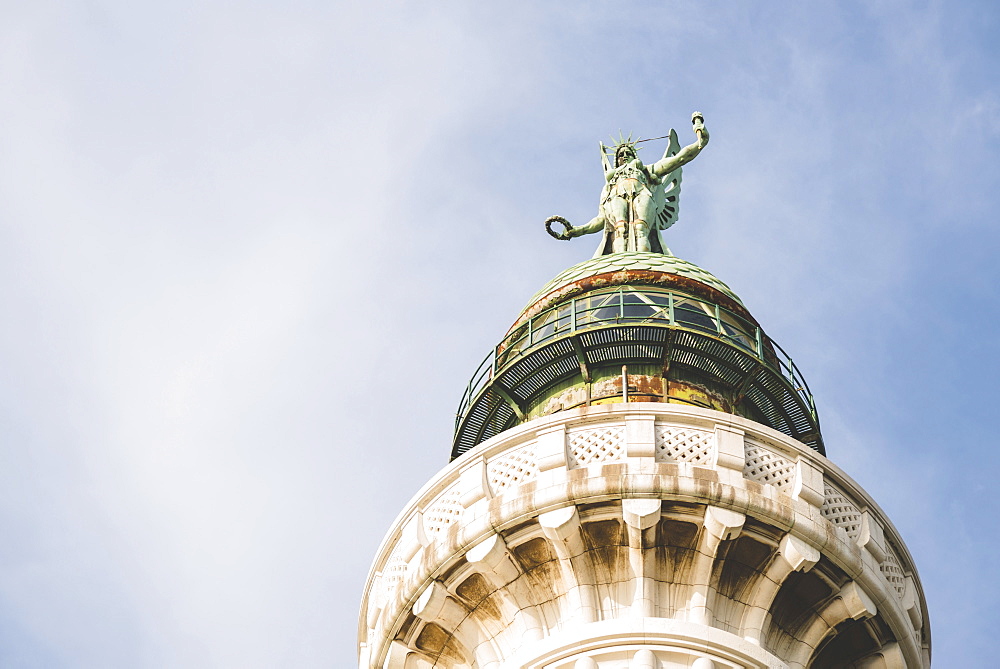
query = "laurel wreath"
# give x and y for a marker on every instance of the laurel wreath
(564, 235)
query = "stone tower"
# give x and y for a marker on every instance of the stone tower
(639, 481)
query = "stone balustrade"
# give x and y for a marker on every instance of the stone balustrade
(543, 491)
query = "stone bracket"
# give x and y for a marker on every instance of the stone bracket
(809, 485)
(730, 452)
(723, 524)
(550, 451)
(799, 555)
(872, 536)
(640, 437)
(641, 514)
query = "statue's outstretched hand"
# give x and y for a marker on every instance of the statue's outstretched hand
(698, 121)
(565, 234)
(568, 232)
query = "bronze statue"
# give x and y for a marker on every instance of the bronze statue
(638, 200)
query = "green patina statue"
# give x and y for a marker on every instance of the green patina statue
(638, 200)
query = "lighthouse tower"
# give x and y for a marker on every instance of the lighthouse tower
(639, 481)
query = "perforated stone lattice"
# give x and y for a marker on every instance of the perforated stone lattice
(765, 466)
(675, 444)
(392, 574)
(893, 572)
(445, 510)
(841, 511)
(512, 468)
(597, 444)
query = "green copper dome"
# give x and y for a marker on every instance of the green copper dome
(656, 262)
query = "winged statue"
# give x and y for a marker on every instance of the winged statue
(638, 201)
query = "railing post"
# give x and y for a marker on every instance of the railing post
(530, 340)
(760, 343)
(572, 311)
(493, 365)
(621, 304)
(670, 307)
(718, 319)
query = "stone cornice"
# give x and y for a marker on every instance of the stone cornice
(544, 481)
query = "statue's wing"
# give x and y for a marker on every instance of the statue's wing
(667, 195)
(604, 158)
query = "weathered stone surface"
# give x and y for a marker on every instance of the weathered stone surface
(637, 526)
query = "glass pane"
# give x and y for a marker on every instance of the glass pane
(636, 308)
(692, 314)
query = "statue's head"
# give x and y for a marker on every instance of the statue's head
(624, 153)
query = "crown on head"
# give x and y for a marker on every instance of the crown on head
(622, 141)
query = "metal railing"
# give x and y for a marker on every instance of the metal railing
(634, 306)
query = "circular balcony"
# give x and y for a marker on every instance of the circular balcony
(660, 339)
(612, 513)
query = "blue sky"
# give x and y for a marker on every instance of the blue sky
(251, 252)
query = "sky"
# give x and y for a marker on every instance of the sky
(250, 254)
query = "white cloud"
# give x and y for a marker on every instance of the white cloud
(250, 255)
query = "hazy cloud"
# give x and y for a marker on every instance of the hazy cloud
(250, 255)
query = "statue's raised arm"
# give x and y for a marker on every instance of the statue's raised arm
(638, 200)
(670, 163)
